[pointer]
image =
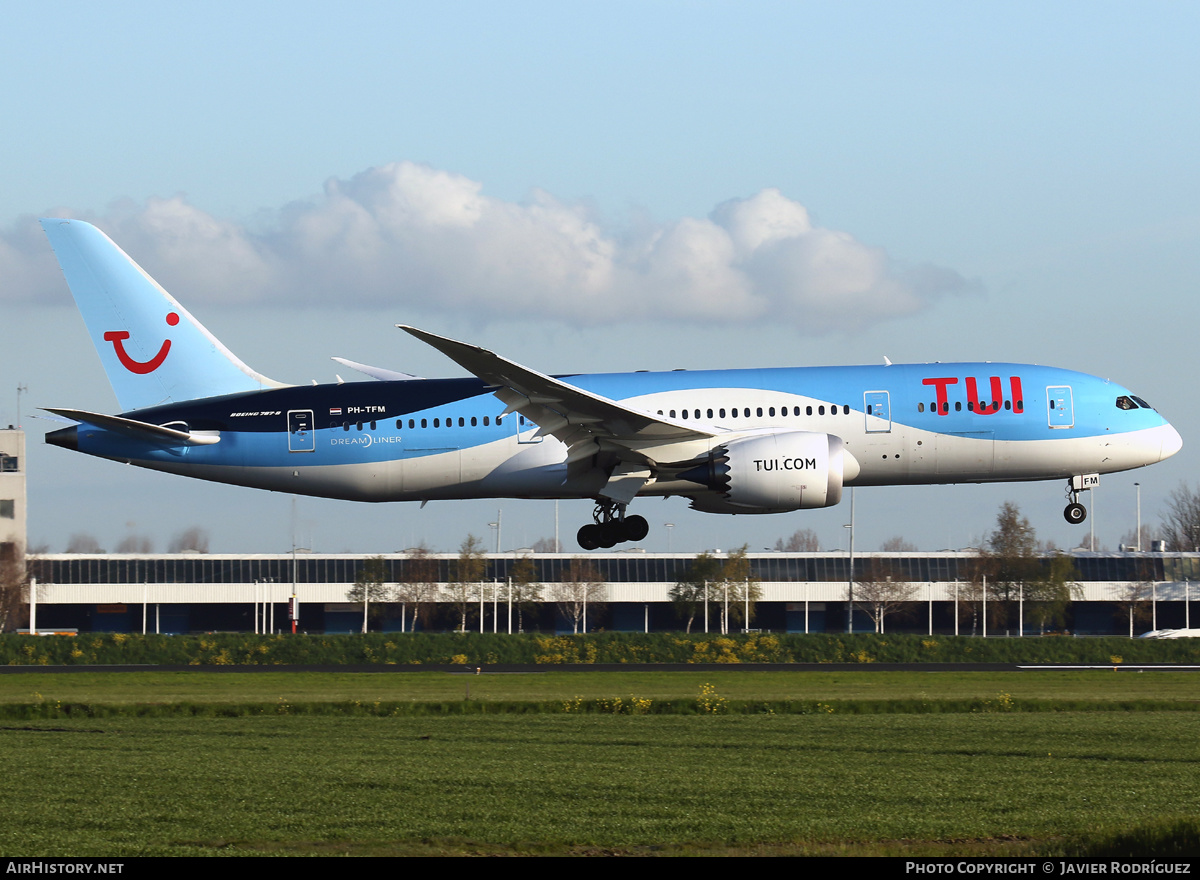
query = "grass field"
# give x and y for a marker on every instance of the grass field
(827, 782)
(736, 684)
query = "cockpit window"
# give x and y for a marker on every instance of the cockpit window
(1124, 402)
(1141, 402)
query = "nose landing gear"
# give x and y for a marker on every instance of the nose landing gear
(1075, 512)
(611, 527)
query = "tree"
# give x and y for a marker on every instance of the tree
(369, 587)
(1054, 591)
(135, 544)
(1130, 538)
(546, 545)
(801, 541)
(191, 540)
(897, 544)
(1134, 599)
(740, 590)
(14, 580)
(1181, 522)
(469, 569)
(418, 585)
(690, 591)
(1010, 563)
(726, 582)
(525, 590)
(82, 542)
(881, 591)
(580, 587)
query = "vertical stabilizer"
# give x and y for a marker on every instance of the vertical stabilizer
(152, 349)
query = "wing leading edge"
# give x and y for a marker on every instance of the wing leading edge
(586, 423)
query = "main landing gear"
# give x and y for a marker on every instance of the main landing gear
(1075, 512)
(611, 527)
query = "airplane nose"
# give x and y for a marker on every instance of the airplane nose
(1171, 442)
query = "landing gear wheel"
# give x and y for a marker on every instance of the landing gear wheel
(589, 537)
(636, 528)
(611, 526)
(1075, 513)
(612, 533)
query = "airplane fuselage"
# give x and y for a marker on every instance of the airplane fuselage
(446, 438)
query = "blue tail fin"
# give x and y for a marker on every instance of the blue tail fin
(153, 350)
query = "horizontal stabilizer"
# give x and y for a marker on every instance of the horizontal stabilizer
(141, 430)
(377, 372)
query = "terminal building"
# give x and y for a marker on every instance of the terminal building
(630, 591)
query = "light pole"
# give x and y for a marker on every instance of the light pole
(1138, 486)
(669, 527)
(495, 526)
(850, 591)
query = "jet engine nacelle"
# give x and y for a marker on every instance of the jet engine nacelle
(786, 470)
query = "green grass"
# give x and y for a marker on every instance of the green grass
(983, 781)
(1098, 686)
(576, 783)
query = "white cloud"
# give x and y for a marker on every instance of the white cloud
(407, 233)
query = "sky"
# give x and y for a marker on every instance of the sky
(606, 186)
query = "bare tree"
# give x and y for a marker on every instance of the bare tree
(1010, 562)
(801, 541)
(14, 579)
(418, 584)
(469, 569)
(546, 545)
(1053, 591)
(190, 540)
(526, 590)
(897, 544)
(1181, 521)
(369, 587)
(135, 544)
(691, 591)
(1133, 601)
(1148, 535)
(881, 591)
(580, 587)
(82, 542)
(739, 590)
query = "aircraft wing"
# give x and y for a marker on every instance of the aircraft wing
(587, 423)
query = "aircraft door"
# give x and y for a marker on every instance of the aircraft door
(301, 433)
(1060, 411)
(877, 406)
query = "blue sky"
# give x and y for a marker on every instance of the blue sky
(1014, 181)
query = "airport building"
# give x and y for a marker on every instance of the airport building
(12, 495)
(627, 591)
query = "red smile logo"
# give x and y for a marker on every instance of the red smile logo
(118, 337)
